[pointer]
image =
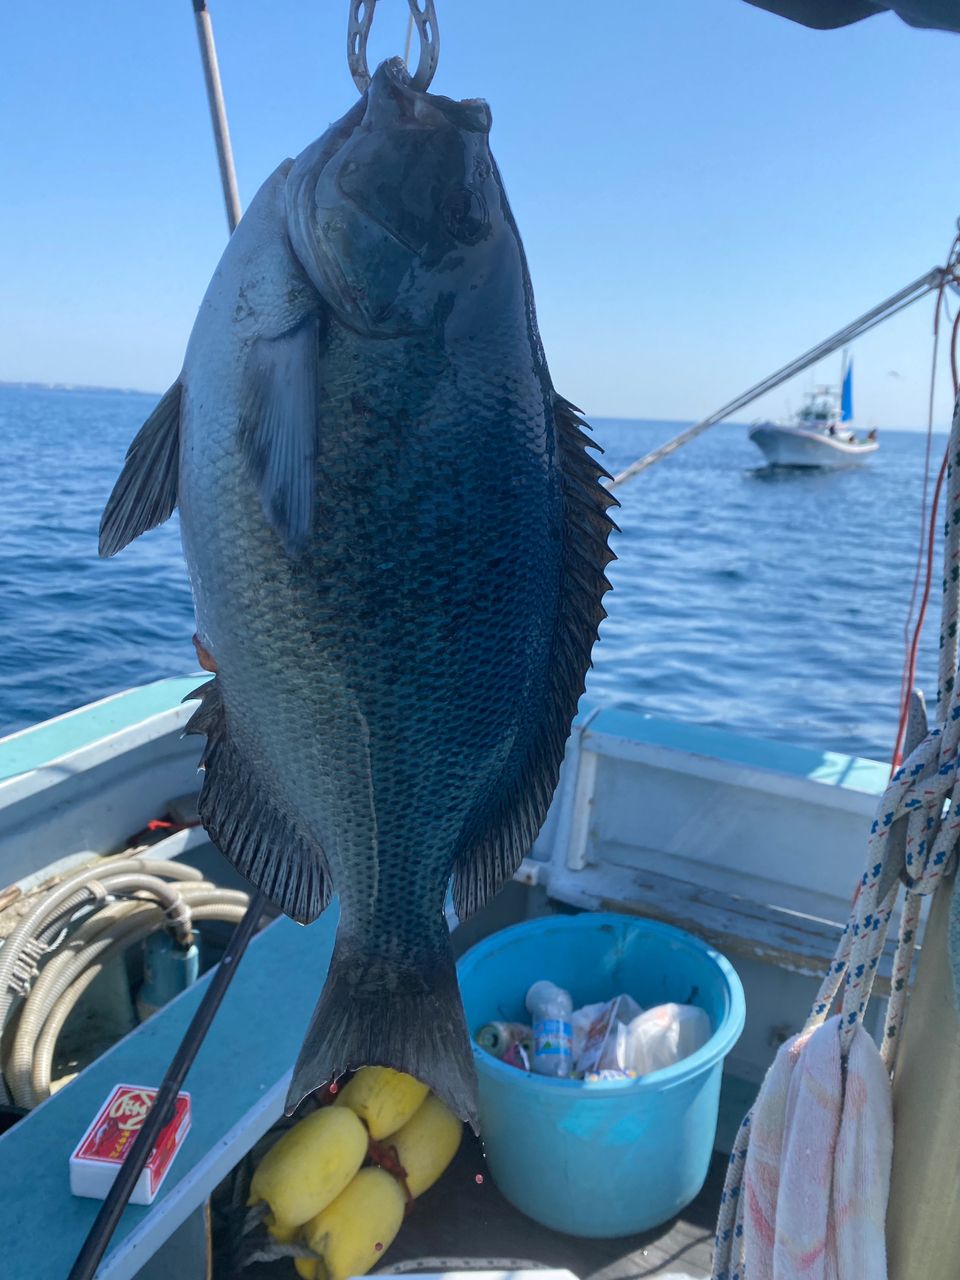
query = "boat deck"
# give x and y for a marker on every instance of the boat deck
(464, 1220)
(462, 1225)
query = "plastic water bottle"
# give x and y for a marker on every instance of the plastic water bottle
(550, 1008)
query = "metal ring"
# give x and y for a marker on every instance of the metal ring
(358, 29)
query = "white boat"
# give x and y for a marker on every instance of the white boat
(752, 845)
(819, 435)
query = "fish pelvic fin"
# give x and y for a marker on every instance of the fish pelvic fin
(379, 1012)
(494, 854)
(248, 825)
(146, 491)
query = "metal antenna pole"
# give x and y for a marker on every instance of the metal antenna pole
(105, 1223)
(218, 112)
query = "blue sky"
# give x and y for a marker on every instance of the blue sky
(704, 190)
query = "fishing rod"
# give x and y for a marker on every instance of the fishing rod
(161, 1112)
(218, 113)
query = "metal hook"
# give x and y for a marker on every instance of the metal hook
(424, 16)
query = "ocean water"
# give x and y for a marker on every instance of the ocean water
(767, 603)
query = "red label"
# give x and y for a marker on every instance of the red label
(119, 1121)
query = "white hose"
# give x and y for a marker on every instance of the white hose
(78, 887)
(56, 991)
(104, 931)
(46, 1043)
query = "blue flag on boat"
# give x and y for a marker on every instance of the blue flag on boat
(846, 396)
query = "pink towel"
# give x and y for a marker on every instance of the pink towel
(803, 1237)
(861, 1175)
(818, 1166)
(761, 1178)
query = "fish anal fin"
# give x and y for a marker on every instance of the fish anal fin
(376, 1011)
(494, 855)
(279, 427)
(246, 824)
(146, 491)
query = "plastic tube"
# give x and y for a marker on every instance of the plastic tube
(45, 921)
(46, 1043)
(110, 931)
(77, 887)
(96, 881)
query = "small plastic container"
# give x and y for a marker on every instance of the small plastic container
(616, 1156)
(550, 1007)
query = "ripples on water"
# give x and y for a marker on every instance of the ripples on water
(769, 603)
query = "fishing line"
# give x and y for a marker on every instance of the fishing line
(925, 550)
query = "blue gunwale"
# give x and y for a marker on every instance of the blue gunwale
(38, 745)
(42, 743)
(832, 768)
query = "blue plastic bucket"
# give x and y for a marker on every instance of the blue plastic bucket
(615, 1157)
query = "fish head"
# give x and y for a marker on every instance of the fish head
(398, 214)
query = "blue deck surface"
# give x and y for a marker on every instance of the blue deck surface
(251, 1047)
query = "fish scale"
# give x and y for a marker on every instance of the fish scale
(397, 543)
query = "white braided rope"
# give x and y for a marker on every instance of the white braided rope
(917, 828)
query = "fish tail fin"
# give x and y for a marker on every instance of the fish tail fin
(376, 1011)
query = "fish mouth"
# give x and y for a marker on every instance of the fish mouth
(391, 87)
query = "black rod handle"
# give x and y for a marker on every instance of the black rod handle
(105, 1223)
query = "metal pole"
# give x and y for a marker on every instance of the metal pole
(923, 1226)
(926, 284)
(218, 112)
(105, 1223)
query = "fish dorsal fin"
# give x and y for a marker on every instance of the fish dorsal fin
(247, 824)
(513, 825)
(278, 429)
(146, 492)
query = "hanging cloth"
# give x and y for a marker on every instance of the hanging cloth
(806, 1192)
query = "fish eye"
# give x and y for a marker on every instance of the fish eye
(465, 215)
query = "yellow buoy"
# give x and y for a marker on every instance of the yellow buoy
(308, 1168)
(427, 1143)
(352, 1234)
(384, 1099)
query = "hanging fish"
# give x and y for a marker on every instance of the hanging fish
(396, 542)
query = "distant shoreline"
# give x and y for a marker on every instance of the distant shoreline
(76, 386)
(679, 423)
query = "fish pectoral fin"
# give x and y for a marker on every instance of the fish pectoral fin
(391, 1009)
(494, 853)
(279, 426)
(247, 825)
(146, 491)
